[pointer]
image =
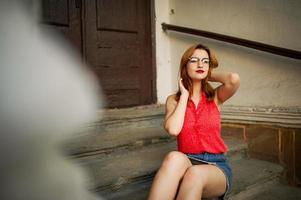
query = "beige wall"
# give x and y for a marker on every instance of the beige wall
(276, 22)
(163, 58)
(266, 79)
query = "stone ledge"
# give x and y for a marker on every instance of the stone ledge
(146, 111)
(275, 116)
(288, 117)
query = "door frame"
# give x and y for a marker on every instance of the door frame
(153, 45)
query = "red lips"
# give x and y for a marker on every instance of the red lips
(200, 71)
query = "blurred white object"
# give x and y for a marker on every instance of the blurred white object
(45, 93)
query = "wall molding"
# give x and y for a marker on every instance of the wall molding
(288, 117)
(275, 116)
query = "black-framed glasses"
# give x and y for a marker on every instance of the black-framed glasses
(205, 61)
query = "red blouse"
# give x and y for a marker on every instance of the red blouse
(201, 129)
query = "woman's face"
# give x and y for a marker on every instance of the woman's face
(198, 65)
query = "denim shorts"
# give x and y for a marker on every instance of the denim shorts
(218, 160)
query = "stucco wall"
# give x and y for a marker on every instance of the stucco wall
(163, 58)
(266, 79)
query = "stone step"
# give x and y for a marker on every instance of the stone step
(131, 163)
(134, 117)
(121, 128)
(270, 191)
(128, 145)
(249, 172)
(246, 173)
(118, 128)
(108, 141)
(125, 165)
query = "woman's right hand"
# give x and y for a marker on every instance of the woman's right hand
(183, 90)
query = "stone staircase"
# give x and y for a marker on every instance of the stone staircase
(123, 150)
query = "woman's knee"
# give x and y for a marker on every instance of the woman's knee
(176, 161)
(196, 174)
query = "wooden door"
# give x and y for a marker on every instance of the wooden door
(118, 48)
(65, 16)
(114, 37)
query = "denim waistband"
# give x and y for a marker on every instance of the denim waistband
(210, 157)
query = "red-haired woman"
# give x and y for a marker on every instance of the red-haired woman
(199, 168)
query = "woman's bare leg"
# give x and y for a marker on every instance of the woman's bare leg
(166, 181)
(205, 181)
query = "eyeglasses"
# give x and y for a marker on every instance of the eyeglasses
(205, 61)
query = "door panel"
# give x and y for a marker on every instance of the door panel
(64, 16)
(118, 47)
(117, 15)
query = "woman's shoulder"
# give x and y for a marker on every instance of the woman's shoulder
(171, 103)
(171, 99)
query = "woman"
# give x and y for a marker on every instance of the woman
(199, 168)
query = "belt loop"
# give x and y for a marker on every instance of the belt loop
(206, 156)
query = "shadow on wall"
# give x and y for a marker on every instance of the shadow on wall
(46, 94)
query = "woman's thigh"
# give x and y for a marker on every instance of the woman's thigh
(212, 179)
(167, 179)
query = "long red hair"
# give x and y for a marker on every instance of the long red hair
(187, 82)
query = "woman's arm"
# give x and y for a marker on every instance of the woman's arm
(175, 112)
(230, 84)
